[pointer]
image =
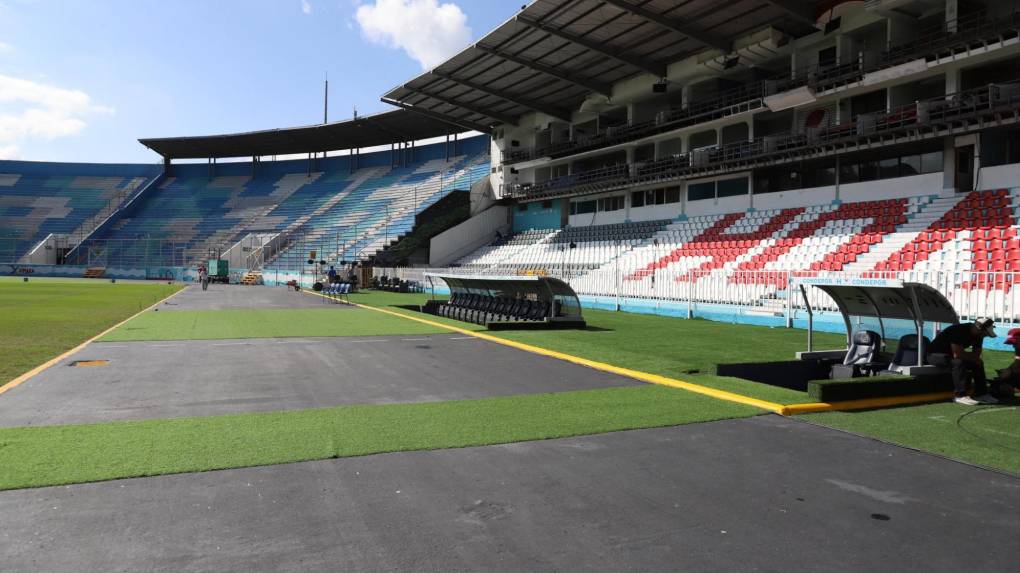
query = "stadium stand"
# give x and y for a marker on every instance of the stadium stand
(39, 199)
(338, 212)
(375, 208)
(970, 234)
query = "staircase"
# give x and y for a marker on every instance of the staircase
(252, 278)
(904, 234)
(94, 272)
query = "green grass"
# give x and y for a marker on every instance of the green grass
(56, 455)
(42, 318)
(678, 348)
(987, 435)
(269, 323)
(674, 347)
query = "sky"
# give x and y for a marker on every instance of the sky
(83, 80)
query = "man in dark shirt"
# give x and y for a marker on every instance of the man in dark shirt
(953, 343)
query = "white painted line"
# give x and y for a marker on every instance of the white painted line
(232, 344)
(413, 339)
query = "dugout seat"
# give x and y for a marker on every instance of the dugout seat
(863, 358)
(906, 353)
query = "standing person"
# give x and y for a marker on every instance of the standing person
(203, 276)
(953, 343)
(332, 274)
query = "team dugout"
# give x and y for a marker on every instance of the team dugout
(502, 301)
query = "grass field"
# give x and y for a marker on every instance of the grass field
(684, 349)
(55, 455)
(678, 348)
(674, 347)
(987, 435)
(42, 318)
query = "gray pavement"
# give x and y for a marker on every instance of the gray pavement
(758, 494)
(197, 378)
(232, 297)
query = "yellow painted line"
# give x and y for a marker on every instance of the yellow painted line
(785, 410)
(24, 377)
(90, 363)
(636, 374)
(865, 404)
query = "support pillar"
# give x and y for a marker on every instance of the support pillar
(954, 81)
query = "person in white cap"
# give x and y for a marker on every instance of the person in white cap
(952, 344)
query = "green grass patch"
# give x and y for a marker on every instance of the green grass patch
(674, 347)
(56, 455)
(265, 323)
(43, 318)
(876, 387)
(987, 435)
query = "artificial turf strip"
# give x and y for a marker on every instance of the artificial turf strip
(57, 455)
(265, 323)
(42, 318)
(668, 346)
(987, 435)
(673, 347)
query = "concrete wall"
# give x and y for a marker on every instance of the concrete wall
(468, 236)
(999, 177)
(536, 216)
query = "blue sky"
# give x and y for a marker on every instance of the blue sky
(82, 80)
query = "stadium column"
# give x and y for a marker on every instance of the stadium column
(836, 175)
(167, 166)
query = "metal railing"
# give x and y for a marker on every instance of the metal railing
(765, 293)
(934, 41)
(920, 116)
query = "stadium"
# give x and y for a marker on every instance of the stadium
(621, 285)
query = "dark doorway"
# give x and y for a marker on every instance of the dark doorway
(965, 168)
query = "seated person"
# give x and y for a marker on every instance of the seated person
(950, 349)
(1009, 377)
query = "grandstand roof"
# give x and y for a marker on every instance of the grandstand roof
(554, 53)
(365, 131)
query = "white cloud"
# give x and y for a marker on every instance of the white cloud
(9, 152)
(426, 30)
(306, 7)
(35, 111)
(5, 47)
